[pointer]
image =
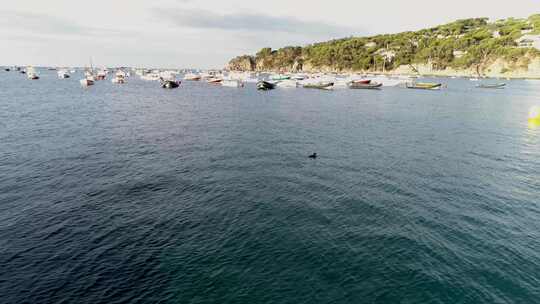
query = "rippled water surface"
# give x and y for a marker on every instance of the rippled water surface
(135, 194)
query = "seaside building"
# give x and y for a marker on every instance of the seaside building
(529, 41)
(459, 54)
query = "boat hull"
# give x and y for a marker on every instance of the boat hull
(424, 86)
(265, 86)
(365, 86)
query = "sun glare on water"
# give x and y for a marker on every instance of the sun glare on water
(534, 117)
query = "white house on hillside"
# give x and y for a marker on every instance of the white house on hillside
(528, 41)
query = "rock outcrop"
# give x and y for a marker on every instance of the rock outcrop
(242, 63)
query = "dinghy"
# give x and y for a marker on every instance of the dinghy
(170, 84)
(424, 86)
(492, 86)
(319, 85)
(265, 85)
(359, 85)
(232, 83)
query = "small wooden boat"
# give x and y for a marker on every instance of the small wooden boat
(170, 84)
(265, 85)
(492, 86)
(192, 77)
(319, 85)
(424, 86)
(232, 83)
(214, 80)
(280, 77)
(85, 82)
(362, 81)
(359, 85)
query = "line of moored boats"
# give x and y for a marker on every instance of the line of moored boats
(171, 79)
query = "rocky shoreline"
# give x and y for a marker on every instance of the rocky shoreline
(497, 69)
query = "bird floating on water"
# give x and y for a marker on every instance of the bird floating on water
(314, 155)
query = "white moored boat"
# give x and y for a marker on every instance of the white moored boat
(31, 73)
(119, 77)
(88, 79)
(288, 84)
(63, 74)
(232, 83)
(192, 77)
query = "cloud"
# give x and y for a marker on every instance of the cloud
(49, 25)
(203, 19)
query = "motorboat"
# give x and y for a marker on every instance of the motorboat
(170, 84)
(119, 77)
(364, 85)
(361, 81)
(279, 77)
(151, 76)
(214, 80)
(63, 74)
(319, 85)
(85, 82)
(232, 83)
(88, 79)
(424, 86)
(31, 73)
(491, 86)
(192, 77)
(265, 85)
(101, 74)
(287, 84)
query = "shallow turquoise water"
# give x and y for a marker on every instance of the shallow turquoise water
(135, 194)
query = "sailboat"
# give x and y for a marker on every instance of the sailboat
(119, 77)
(88, 79)
(63, 74)
(31, 73)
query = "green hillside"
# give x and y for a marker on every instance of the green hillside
(468, 43)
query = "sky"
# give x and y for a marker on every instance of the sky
(206, 34)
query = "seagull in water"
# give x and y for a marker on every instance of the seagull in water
(314, 155)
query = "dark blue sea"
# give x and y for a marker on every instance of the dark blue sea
(203, 194)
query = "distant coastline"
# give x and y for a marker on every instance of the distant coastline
(508, 48)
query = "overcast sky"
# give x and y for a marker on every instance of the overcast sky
(205, 34)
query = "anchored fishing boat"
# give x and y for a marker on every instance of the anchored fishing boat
(214, 80)
(492, 86)
(101, 74)
(31, 73)
(287, 83)
(192, 77)
(319, 85)
(363, 85)
(232, 83)
(88, 79)
(424, 86)
(63, 74)
(170, 84)
(279, 77)
(119, 77)
(265, 85)
(361, 81)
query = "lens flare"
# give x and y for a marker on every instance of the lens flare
(534, 113)
(534, 117)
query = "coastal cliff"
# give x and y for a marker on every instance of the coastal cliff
(469, 47)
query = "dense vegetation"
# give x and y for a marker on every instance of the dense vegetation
(461, 44)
